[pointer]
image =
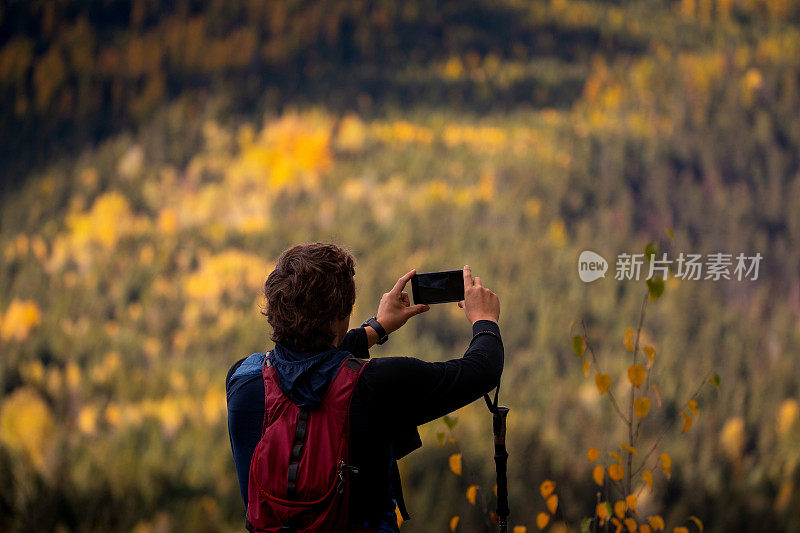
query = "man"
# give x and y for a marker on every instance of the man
(310, 297)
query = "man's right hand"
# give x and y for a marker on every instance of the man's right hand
(479, 303)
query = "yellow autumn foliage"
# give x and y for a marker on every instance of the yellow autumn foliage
(647, 477)
(687, 422)
(552, 503)
(352, 134)
(546, 488)
(21, 317)
(472, 493)
(289, 153)
(603, 382)
(27, 425)
(666, 464)
(627, 340)
(598, 474)
(109, 219)
(616, 472)
(619, 508)
(641, 406)
(631, 501)
(592, 454)
(636, 375)
(455, 463)
(732, 438)
(630, 525)
(787, 416)
(231, 272)
(454, 522)
(656, 522)
(542, 519)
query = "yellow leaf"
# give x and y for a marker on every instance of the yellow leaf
(586, 364)
(619, 508)
(520, 529)
(787, 415)
(546, 488)
(647, 476)
(666, 465)
(733, 438)
(603, 382)
(578, 345)
(631, 501)
(641, 406)
(20, 319)
(628, 340)
(697, 521)
(630, 449)
(602, 512)
(593, 454)
(552, 503)
(650, 352)
(472, 492)
(455, 463)
(692, 405)
(542, 519)
(644, 528)
(687, 422)
(658, 394)
(454, 522)
(616, 456)
(636, 375)
(616, 472)
(680, 529)
(656, 522)
(630, 524)
(617, 524)
(598, 474)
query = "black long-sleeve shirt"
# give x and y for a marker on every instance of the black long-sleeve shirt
(394, 395)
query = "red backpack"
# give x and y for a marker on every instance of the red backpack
(299, 474)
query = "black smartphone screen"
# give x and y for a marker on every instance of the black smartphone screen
(438, 287)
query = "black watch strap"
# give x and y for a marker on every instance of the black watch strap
(374, 324)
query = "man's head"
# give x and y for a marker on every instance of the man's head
(310, 295)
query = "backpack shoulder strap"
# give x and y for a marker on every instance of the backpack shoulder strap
(354, 363)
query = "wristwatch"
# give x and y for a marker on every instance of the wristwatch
(374, 324)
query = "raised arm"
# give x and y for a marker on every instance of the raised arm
(414, 391)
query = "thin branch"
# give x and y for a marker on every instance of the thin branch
(631, 436)
(597, 365)
(668, 426)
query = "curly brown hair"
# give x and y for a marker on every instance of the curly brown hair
(311, 287)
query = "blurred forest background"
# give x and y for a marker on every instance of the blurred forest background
(158, 156)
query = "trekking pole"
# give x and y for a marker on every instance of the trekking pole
(499, 414)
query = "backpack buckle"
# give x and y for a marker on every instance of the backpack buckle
(342, 467)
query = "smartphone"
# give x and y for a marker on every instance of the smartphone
(438, 287)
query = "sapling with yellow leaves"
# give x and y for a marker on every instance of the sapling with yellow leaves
(623, 473)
